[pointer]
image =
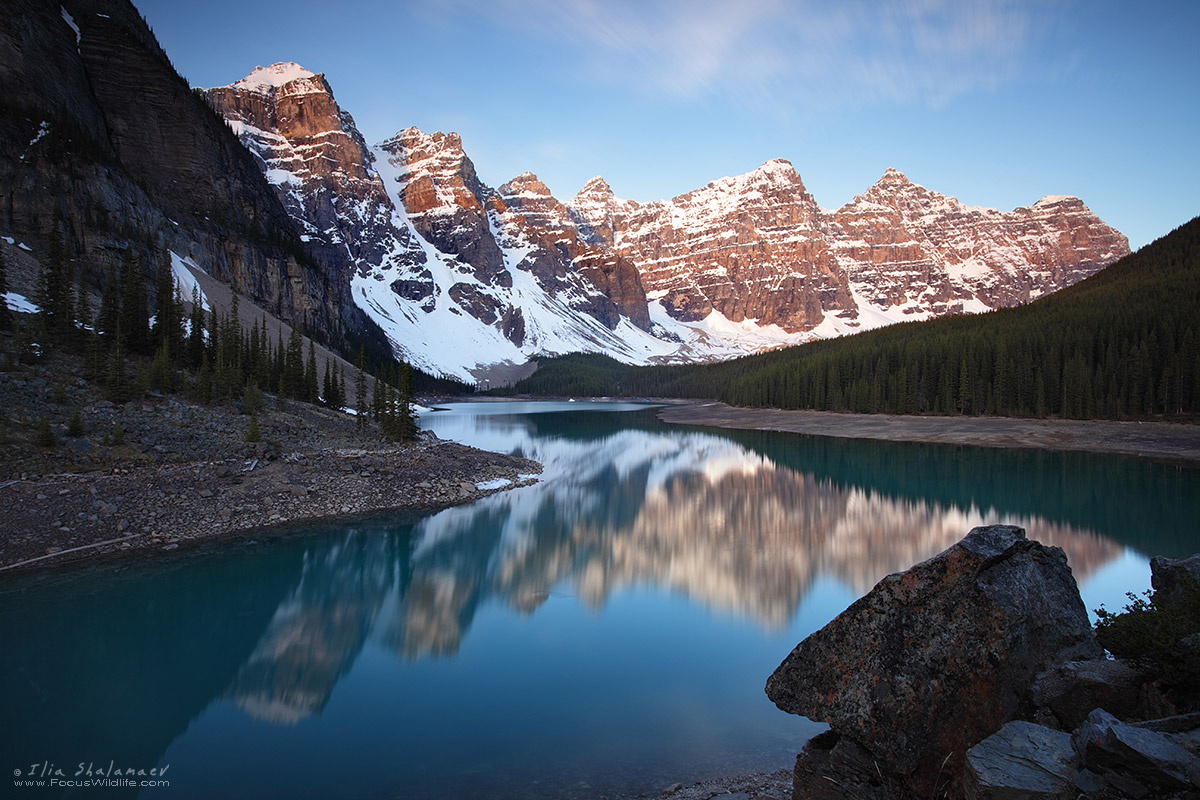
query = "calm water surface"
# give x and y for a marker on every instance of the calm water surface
(608, 630)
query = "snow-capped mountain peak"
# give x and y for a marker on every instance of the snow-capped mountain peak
(463, 277)
(266, 79)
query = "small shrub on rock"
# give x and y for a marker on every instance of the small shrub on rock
(45, 435)
(75, 425)
(253, 435)
(1152, 633)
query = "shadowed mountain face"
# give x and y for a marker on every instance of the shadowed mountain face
(101, 141)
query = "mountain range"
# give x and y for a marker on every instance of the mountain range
(400, 245)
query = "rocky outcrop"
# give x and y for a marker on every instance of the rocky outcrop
(1176, 582)
(904, 245)
(561, 247)
(436, 257)
(1103, 758)
(937, 658)
(445, 199)
(748, 247)
(1066, 693)
(1022, 761)
(1127, 755)
(311, 152)
(975, 674)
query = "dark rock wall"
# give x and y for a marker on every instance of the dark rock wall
(130, 157)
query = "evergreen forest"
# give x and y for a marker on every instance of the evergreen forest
(208, 354)
(1120, 345)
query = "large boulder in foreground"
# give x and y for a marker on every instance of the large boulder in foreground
(935, 659)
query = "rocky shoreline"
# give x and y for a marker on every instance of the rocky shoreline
(66, 517)
(158, 473)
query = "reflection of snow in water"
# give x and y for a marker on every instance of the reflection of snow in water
(694, 513)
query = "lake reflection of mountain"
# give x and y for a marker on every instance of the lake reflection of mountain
(683, 512)
(623, 611)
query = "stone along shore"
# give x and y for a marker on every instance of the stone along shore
(181, 472)
(70, 516)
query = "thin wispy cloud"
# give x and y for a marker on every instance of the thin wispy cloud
(778, 51)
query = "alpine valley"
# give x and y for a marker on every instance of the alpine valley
(400, 243)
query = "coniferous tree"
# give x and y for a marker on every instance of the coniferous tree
(360, 389)
(341, 388)
(294, 366)
(75, 427)
(108, 319)
(45, 434)
(162, 369)
(378, 397)
(6, 314)
(204, 382)
(407, 420)
(195, 343)
(115, 382)
(56, 289)
(83, 306)
(253, 434)
(235, 315)
(311, 386)
(167, 315)
(135, 328)
(279, 369)
(252, 399)
(327, 393)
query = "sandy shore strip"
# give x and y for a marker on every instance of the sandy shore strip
(1164, 441)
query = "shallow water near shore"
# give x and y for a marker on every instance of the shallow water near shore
(605, 632)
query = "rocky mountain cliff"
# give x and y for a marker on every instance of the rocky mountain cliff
(402, 245)
(102, 141)
(757, 250)
(465, 278)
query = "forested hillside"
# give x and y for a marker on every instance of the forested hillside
(1122, 343)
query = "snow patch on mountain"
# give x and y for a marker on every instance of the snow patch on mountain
(182, 268)
(20, 303)
(264, 79)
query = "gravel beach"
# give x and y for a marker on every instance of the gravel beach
(183, 472)
(1164, 441)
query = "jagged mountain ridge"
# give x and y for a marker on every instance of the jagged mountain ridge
(463, 277)
(459, 281)
(757, 247)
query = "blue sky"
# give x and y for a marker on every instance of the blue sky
(996, 103)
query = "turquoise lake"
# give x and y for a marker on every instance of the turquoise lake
(607, 631)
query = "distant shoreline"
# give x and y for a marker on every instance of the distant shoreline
(1161, 441)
